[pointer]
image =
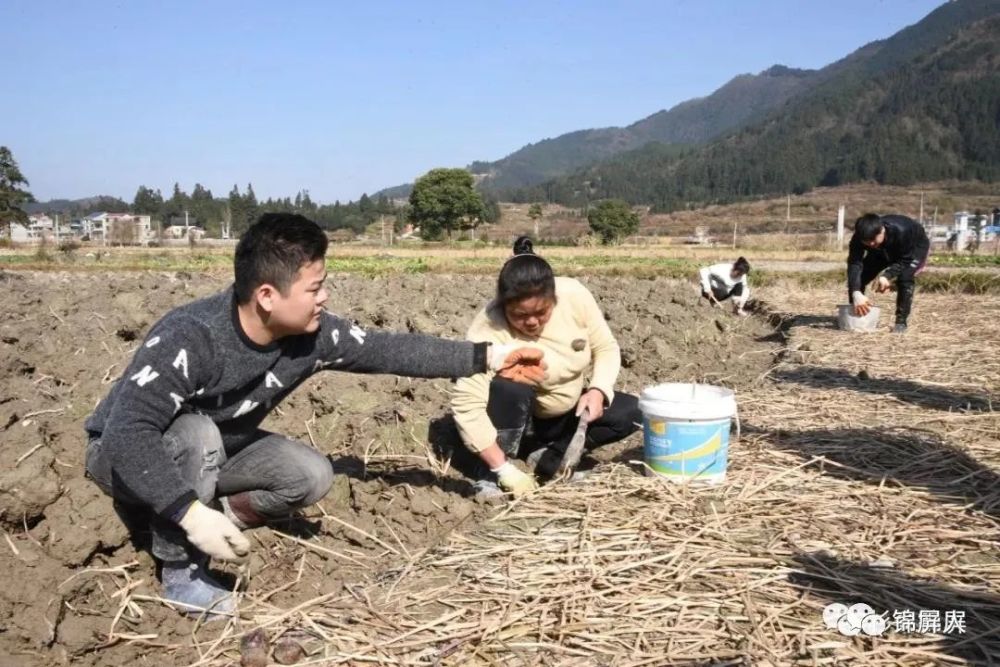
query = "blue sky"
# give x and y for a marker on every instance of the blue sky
(342, 98)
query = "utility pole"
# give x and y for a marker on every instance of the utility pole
(841, 212)
(735, 225)
(57, 229)
(788, 212)
(921, 207)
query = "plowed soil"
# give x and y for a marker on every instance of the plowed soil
(66, 556)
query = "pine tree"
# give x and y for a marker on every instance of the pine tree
(12, 195)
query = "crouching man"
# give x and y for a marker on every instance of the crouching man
(178, 433)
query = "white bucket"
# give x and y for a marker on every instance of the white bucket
(848, 321)
(686, 431)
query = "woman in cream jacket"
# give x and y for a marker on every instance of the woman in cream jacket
(499, 419)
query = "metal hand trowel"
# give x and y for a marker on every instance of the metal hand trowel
(571, 457)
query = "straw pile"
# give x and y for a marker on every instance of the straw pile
(866, 472)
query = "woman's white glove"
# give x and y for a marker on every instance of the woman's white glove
(512, 479)
(214, 534)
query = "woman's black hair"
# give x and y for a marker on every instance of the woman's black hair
(525, 275)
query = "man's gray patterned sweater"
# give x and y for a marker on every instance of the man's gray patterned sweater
(198, 359)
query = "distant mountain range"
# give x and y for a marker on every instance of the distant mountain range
(775, 110)
(81, 207)
(872, 116)
(743, 99)
(746, 98)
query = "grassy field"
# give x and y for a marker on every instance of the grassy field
(971, 274)
(765, 247)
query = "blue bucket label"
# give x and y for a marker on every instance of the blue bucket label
(686, 449)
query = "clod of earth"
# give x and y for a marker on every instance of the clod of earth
(254, 648)
(287, 651)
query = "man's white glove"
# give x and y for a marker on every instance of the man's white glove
(499, 353)
(882, 284)
(214, 534)
(512, 479)
(861, 305)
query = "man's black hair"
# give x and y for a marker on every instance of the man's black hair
(742, 266)
(868, 227)
(273, 250)
(525, 275)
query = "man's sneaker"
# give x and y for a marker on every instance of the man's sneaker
(899, 328)
(188, 586)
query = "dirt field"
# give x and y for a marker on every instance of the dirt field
(866, 474)
(77, 590)
(866, 471)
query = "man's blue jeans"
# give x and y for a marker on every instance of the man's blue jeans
(280, 474)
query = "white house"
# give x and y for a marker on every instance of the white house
(40, 221)
(39, 227)
(94, 226)
(19, 233)
(124, 228)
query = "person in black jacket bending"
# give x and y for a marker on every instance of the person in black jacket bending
(886, 248)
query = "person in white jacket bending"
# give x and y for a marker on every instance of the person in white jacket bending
(722, 281)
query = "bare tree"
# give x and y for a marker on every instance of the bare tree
(124, 232)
